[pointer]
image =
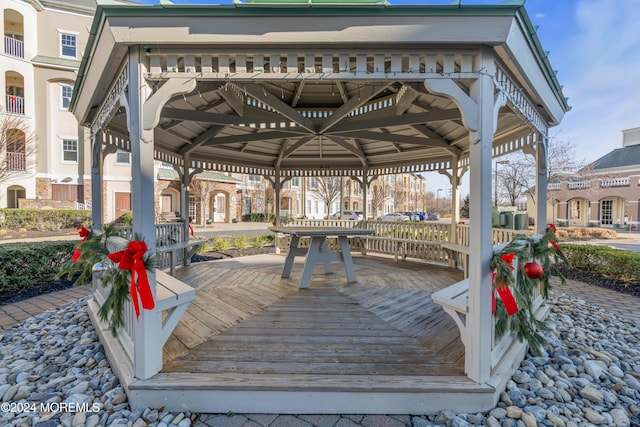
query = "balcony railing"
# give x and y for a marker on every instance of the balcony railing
(579, 185)
(615, 182)
(16, 161)
(13, 47)
(14, 104)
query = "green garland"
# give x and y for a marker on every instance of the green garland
(93, 249)
(543, 250)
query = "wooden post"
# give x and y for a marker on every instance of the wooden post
(479, 321)
(541, 184)
(97, 163)
(147, 354)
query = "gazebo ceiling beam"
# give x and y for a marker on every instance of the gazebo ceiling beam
(201, 139)
(343, 91)
(299, 144)
(396, 138)
(364, 95)
(232, 98)
(276, 104)
(436, 140)
(248, 137)
(297, 94)
(349, 125)
(347, 146)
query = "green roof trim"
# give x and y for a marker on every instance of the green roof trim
(57, 62)
(171, 174)
(265, 8)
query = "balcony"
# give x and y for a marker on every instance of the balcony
(14, 104)
(15, 161)
(13, 47)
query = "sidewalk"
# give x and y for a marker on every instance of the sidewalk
(12, 314)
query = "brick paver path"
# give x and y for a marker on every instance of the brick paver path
(12, 314)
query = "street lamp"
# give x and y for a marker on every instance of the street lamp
(495, 181)
(437, 199)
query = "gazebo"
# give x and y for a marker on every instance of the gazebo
(318, 88)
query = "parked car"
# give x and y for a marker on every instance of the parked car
(415, 216)
(350, 215)
(432, 217)
(396, 216)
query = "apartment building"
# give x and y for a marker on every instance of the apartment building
(44, 157)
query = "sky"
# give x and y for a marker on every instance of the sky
(595, 47)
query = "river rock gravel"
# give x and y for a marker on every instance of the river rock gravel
(53, 372)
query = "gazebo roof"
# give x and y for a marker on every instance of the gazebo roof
(322, 88)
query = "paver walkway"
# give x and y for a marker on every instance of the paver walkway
(12, 314)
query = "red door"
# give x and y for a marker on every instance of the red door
(123, 203)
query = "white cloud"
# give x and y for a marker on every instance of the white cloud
(540, 15)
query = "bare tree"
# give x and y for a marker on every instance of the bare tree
(517, 178)
(202, 189)
(17, 144)
(378, 194)
(327, 190)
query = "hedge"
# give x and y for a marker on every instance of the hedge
(23, 265)
(43, 220)
(606, 261)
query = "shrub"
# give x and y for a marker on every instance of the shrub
(605, 261)
(239, 241)
(582, 233)
(43, 220)
(258, 241)
(23, 265)
(258, 217)
(220, 244)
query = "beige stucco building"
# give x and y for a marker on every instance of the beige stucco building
(605, 194)
(43, 44)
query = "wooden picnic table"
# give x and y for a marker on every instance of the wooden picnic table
(318, 250)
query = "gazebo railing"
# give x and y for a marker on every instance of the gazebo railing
(101, 291)
(166, 234)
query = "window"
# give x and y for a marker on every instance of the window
(123, 157)
(575, 209)
(66, 92)
(606, 212)
(255, 178)
(68, 45)
(70, 150)
(295, 181)
(314, 182)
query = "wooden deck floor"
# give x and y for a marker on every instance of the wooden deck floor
(247, 320)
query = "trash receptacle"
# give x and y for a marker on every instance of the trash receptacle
(521, 221)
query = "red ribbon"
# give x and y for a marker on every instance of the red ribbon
(84, 233)
(555, 245)
(504, 292)
(553, 227)
(132, 259)
(508, 300)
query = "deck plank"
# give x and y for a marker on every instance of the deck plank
(247, 320)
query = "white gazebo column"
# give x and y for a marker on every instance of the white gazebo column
(479, 319)
(97, 164)
(147, 357)
(541, 184)
(479, 114)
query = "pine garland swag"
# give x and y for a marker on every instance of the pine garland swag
(544, 250)
(92, 250)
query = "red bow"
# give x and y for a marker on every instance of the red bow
(84, 233)
(132, 259)
(551, 226)
(508, 258)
